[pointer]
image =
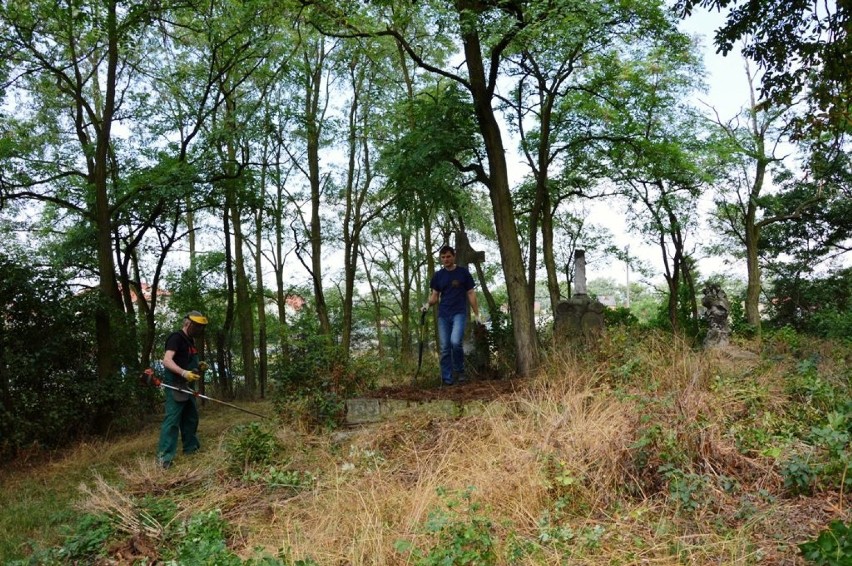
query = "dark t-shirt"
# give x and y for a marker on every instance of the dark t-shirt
(453, 287)
(186, 355)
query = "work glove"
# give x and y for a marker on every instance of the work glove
(477, 318)
(425, 307)
(202, 367)
(191, 376)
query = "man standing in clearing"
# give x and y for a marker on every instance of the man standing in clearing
(453, 289)
(183, 369)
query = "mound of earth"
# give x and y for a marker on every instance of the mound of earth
(474, 390)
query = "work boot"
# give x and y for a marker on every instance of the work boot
(166, 464)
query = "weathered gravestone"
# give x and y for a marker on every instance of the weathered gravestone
(579, 317)
(717, 307)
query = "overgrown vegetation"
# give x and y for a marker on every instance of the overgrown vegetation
(50, 394)
(638, 448)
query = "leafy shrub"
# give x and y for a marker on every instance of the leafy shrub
(501, 343)
(85, 544)
(619, 316)
(249, 445)
(312, 357)
(833, 546)
(799, 476)
(162, 510)
(275, 477)
(88, 540)
(688, 324)
(315, 408)
(317, 378)
(831, 459)
(555, 532)
(657, 448)
(464, 535)
(204, 541)
(53, 394)
(784, 340)
(832, 324)
(819, 306)
(686, 490)
(737, 318)
(811, 394)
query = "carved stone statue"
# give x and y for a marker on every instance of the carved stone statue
(717, 307)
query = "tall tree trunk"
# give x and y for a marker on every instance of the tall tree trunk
(520, 305)
(233, 184)
(550, 261)
(689, 280)
(544, 202)
(5, 395)
(541, 203)
(281, 295)
(405, 292)
(752, 228)
(245, 318)
(223, 338)
(489, 298)
(351, 216)
(408, 269)
(672, 274)
(430, 271)
(313, 133)
(278, 255)
(111, 299)
(754, 286)
(262, 361)
(259, 212)
(377, 309)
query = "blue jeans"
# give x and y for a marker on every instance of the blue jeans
(451, 332)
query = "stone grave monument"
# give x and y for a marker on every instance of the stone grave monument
(578, 317)
(717, 307)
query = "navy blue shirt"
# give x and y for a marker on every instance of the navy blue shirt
(453, 287)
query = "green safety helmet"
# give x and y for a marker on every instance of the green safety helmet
(196, 317)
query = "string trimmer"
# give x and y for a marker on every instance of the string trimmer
(152, 379)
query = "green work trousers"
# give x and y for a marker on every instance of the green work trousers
(181, 419)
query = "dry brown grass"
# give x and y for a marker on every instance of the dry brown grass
(560, 455)
(565, 436)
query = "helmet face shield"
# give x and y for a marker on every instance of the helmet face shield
(197, 317)
(197, 322)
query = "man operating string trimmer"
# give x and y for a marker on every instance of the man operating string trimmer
(183, 369)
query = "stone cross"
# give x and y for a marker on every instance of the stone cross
(465, 254)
